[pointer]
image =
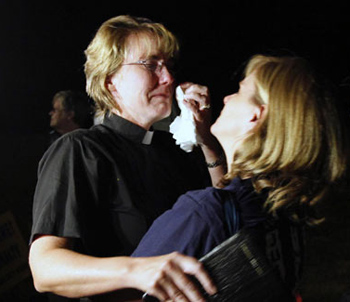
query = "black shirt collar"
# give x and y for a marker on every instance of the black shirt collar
(128, 129)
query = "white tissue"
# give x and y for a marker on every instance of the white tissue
(183, 127)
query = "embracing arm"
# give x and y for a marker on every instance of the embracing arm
(58, 269)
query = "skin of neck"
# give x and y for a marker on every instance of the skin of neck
(229, 147)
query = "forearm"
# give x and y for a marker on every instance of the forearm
(58, 269)
(215, 160)
(196, 98)
(67, 273)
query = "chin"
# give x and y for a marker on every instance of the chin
(163, 110)
(213, 129)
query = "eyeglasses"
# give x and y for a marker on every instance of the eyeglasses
(155, 65)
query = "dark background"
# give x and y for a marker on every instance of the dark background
(42, 44)
(42, 47)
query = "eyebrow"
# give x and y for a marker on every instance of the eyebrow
(154, 57)
(150, 56)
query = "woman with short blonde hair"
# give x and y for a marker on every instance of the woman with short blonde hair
(99, 189)
(107, 51)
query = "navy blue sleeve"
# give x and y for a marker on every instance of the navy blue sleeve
(192, 227)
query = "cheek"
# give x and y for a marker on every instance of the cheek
(138, 87)
(58, 115)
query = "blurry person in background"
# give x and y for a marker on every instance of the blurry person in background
(71, 110)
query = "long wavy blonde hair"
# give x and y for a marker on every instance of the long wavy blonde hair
(109, 47)
(297, 152)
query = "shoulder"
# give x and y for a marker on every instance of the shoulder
(200, 198)
(214, 197)
(243, 190)
(193, 226)
(240, 186)
(97, 136)
(94, 135)
(77, 146)
(205, 203)
(70, 139)
(249, 203)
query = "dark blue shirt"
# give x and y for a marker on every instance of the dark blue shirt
(196, 223)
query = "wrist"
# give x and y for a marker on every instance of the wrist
(217, 162)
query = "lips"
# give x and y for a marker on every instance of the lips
(161, 95)
(162, 92)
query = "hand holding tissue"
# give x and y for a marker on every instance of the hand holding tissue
(183, 127)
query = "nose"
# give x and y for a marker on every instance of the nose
(165, 76)
(226, 99)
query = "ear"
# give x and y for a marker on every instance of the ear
(70, 114)
(110, 85)
(259, 115)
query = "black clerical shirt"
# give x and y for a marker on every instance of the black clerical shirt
(105, 186)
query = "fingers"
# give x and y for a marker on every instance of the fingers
(180, 287)
(165, 286)
(178, 270)
(197, 96)
(193, 267)
(176, 291)
(156, 290)
(171, 281)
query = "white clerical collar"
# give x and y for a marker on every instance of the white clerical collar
(147, 139)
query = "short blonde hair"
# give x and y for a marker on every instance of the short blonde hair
(297, 152)
(109, 47)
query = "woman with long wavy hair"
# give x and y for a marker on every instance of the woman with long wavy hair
(284, 150)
